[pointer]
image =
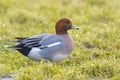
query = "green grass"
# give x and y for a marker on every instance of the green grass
(97, 43)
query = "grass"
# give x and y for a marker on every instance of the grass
(97, 43)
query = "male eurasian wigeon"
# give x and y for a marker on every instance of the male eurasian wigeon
(52, 47)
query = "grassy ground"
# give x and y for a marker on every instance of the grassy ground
(97, 43)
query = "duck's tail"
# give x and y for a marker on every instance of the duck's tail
(14, 47)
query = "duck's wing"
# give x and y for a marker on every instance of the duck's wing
(39, 41)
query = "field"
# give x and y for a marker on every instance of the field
(97, 44)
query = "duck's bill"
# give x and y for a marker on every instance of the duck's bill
(74, 27)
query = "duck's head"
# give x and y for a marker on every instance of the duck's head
(63, 25)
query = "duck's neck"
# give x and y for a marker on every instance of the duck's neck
(61, 32)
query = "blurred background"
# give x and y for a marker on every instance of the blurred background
(97, 43)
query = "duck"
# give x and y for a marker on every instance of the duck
(50, 47)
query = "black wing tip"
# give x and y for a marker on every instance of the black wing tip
(14, 47)
(21, 37)
(17, 39)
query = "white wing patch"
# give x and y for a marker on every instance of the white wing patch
(53, 44)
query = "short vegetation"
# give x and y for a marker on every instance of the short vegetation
(96, 55)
